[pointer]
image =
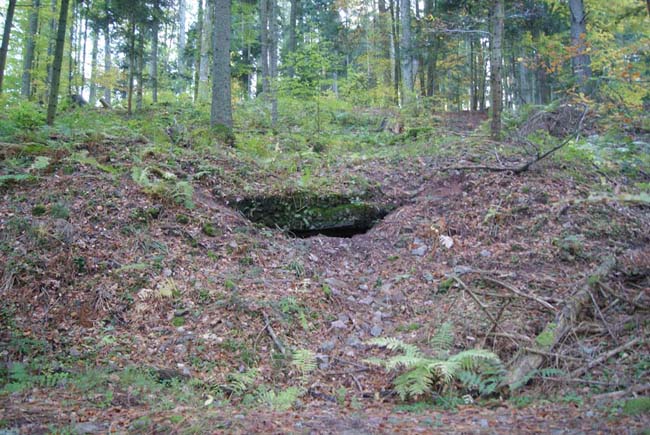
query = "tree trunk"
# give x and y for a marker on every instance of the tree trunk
(140, 70)
(291, 40)
(92, 97)
(82, 48)
(204, 72)
(4, 48)
(56, 63)
(496, 62)
(199, 48)
(221, 113)
(155, 29)
(52, 43)
(395, 52)
(30, 44)
(107, 53)
(406, 60)
(131, 53)
(581, 61)
(264, 36)
(182, 13)
(273, 59)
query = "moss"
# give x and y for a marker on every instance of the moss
(182, 219)
(210, 230)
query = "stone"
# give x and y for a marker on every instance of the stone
(338, 324)
(420, 251)
(367, 300)
(428, 277)
(90, 427)
(353, 341)
(485, 253)
(327, 346)
(376, 331)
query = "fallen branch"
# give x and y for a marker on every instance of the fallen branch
(605, 356)
(527, 362)
(520, 293)
(618, 394)
(526, 165)
(274, 337)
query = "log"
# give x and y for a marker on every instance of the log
(527, 361)
(105, 104)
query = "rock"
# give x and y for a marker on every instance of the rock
(376, 331)
(167, 272)
(367, 300)
(323, 361)
(363, 287)
(327, 346)
(90, 427)
(462, 270)
(419, 251)
(338, 324)
(343, 317)
(485, 253)
(353, 341)
(428, 277)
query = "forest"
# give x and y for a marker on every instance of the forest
(324, 216)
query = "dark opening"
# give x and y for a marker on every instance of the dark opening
(305, 215)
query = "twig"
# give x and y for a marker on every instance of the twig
(602, 318)
(525, 166)
(604, 357)
(520, 293)
(358, 384)
(550, 354)
(352, 363)
(271, 333)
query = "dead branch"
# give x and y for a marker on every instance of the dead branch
(618, 394)
(272, 334)
(565, 320)
(526, 165)
(522, 294)
(605, 356)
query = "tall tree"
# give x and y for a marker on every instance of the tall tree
(4, 48)
(30, 44)
(107, 49)
(92, 98)
(221, 111)
(57, 62)
(155, 29)
(182, 37)
(197, 54)
(581, 61)
(496, 65)
(406, 60)
(206, 35)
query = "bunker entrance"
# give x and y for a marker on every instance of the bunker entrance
(305, 215)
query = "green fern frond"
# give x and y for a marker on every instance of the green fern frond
(239, 383)
(405, 361)
(414, 383)
(281, 401)
(443, 340)
(469, 359)
(304, 360)
(395, 344)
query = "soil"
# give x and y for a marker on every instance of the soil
(204, 292)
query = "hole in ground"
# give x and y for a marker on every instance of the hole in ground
(305, 214)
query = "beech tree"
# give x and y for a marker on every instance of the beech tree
(4, 48)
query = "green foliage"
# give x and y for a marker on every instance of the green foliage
(541, 373)
(305, 361)
(165, 185)
(546, 337)
(476, 369)
(240, 382)
(282, 400)
(637, 406)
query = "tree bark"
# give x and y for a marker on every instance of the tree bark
(496, 65)
(92, 97)
(131, 36)
(182, 13)
(291, 39)
(107, 52)
(155, 29)
(30, 44)
(204, 73)
(406, 60)
(57, 62)
(273, 59)
(199, 48)
(581, 61)
(140, 70)
(221, 110)
(4, 48)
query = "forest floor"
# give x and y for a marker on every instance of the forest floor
(132, 303)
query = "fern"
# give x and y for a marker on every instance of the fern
(305, 361)
(443, 340)
(239, 383)
(542, 373)
(476, 369)
(281, 401)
